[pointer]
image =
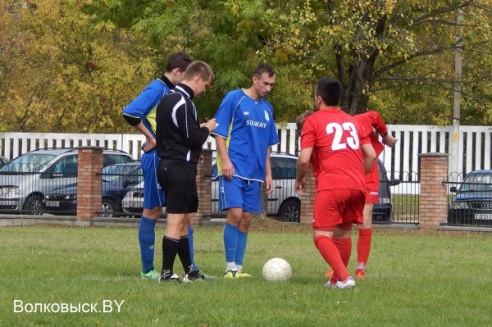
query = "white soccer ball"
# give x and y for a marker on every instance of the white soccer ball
(277, 270)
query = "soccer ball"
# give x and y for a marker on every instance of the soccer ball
(277, 270)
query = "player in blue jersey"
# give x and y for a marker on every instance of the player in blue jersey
(246, 131)
(141, 113)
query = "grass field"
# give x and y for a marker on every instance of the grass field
(414, 279)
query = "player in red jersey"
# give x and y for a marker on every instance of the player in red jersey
(331, 140)
(369, 121)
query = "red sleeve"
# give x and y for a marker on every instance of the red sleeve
(308, 135)
(376, 122)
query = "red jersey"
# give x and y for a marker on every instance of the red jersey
(337, 159)
(368, 121)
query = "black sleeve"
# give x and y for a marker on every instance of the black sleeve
(132, 120)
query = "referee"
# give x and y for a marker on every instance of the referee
(180, 138)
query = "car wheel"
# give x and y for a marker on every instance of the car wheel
(108, 208)
(33, 205)
(290, 211)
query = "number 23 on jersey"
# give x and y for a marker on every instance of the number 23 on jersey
(340, 139)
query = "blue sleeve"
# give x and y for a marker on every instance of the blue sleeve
(225, 114)
(146, 100)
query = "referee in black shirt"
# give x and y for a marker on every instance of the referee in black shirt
(180, 138)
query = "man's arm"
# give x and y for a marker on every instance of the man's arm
(379, 125)
(301, 169)
(268, 173)
(370, 156)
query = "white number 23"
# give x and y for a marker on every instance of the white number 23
(351, 141)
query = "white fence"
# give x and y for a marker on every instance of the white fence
(401, 162)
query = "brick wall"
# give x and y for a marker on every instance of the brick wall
(90, 163)
(203, 184)
(307, 199)
(433, 202)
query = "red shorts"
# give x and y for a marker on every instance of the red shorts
(334, 207)
(372, 185)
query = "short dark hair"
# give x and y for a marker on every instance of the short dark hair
(330, 90)
(263, 68)
(178, 60)
(199, 68)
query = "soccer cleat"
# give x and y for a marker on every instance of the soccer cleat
(194, 276)
(231, 274)
(243, 275)
(347, 283)
(173, 278)
(360, 274)
(150, 275)
(329, 273)
(330, 283)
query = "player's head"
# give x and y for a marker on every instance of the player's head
(328, 92)
(301, 118)
(198, 76)
(176, 66)
(263, 79)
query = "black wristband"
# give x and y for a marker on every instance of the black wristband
(384, 134)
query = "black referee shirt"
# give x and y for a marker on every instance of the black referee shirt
(179, 135)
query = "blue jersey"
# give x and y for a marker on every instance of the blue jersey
(249, 129)
(144, 106)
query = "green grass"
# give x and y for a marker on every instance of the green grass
(414, 279)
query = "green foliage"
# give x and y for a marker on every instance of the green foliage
(71, 66)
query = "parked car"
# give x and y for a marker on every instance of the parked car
(117, 180)
(25, 180)
(472, 203)
(3, 161)
(283, 202)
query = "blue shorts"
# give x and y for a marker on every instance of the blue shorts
(153, 194)
(239, 193)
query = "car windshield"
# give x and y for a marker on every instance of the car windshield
(31, 162)
(111, 173)
(477, 183)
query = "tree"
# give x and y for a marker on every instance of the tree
(60, 73)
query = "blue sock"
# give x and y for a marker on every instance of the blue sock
(230, 242)
(192, 247)
(146, 238)
(241, 247)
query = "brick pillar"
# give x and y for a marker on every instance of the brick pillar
(433, 201)
(307, 199)
(203, 184)
(90, 163)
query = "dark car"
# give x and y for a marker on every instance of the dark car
(117, 180)
(383, 210)
(472, 203)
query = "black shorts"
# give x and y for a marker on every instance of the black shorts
(178, 181)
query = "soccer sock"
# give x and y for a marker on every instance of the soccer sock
(184, 254)
(344, 246)
(363, 247)
(192, 247)
(242, 239)
(230, 242)
(330, 253)
(146, 238)
(170, 247)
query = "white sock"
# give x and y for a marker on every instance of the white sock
(230, 266)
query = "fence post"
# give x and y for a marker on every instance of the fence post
(90, 164)
(433, 202)
(307, 199)
(204, 184)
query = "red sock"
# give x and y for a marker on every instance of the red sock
(344, 246)
(330, 253)
(364, 245)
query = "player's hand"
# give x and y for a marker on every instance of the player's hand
(389, 140)
(149, 144)
(211, 124)
(299, 187)
(268, 186)
(227, 169)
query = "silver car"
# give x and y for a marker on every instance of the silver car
(283, 202)
(25, 180)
